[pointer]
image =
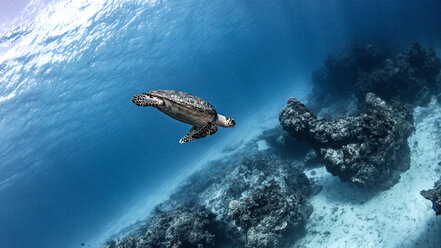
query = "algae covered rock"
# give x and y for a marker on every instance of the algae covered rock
(434, 195)
(334, 82)
(177, 228)
(251, 199)
(231, 180)
(343, 81)
(267, 214)
(368, 149)
(409, 78)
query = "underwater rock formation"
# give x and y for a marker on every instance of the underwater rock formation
(334, 83)
(434, 195)
(178, 228)
(250, 199)
(267, 214)
(368, 149)
(241, 177)
(410, 77)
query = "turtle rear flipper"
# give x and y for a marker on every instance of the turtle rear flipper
(144, 100)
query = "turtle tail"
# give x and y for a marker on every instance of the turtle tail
(144, 100)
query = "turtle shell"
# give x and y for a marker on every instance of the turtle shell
(185, 99)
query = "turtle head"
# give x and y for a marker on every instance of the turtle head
(224, 121)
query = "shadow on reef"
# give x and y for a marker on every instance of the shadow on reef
(251, 199)
(336, 192)
(281, 143)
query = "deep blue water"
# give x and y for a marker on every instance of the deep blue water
(76, 154)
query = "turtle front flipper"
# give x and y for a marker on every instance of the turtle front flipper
(213, 129)
(199, 132)
(208, 129)
(188, 137)
(144, 100)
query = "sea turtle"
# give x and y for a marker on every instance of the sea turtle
(187, 108)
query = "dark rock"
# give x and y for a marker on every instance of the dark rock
(224, 181)
(267, 214)
(199, 213)
(237, 177)
(334, 82)
(182, 227)
(343, 81)
(178, 228)
(367, 149)
(435, 196)
(410, 78)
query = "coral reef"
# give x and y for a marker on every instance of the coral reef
(410, 77)
(223, 182)
(337, 76)
(367, 149)
(177, 228)
(334, 83)
(434, 195)
(250, 199)
(267, 214)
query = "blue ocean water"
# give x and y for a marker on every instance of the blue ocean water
(76, 154)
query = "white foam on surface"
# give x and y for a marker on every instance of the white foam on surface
(348, 216)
